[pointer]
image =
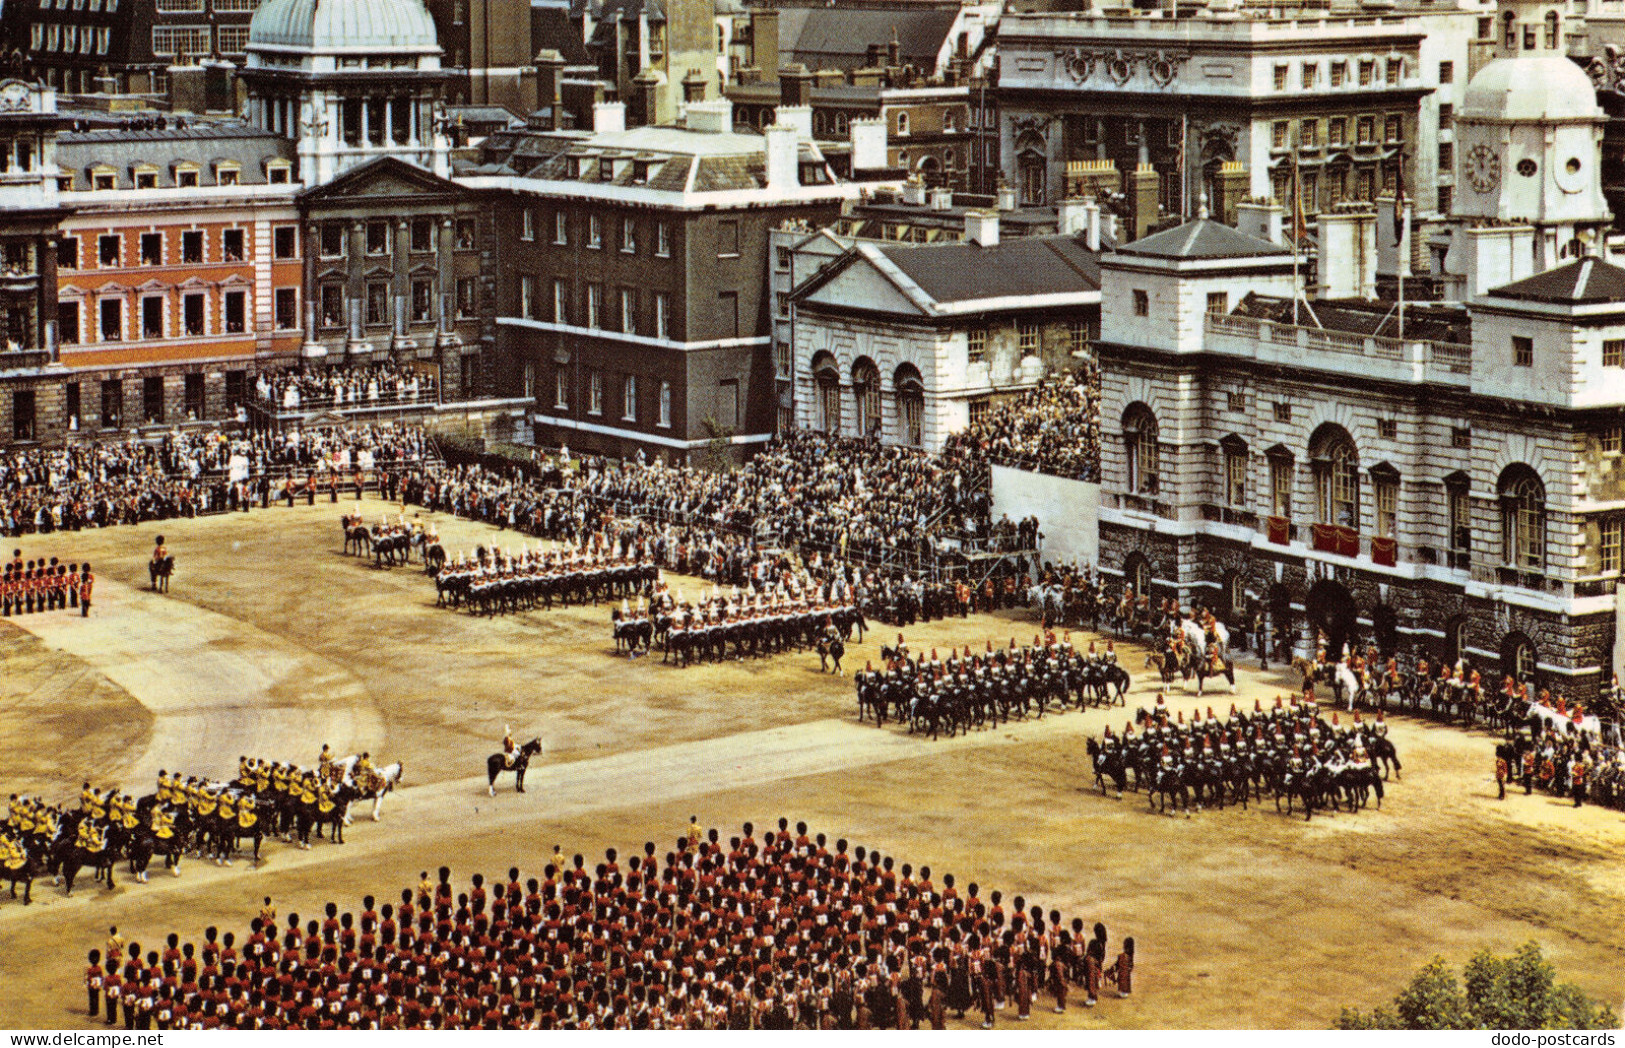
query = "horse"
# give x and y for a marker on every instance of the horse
(496, 764)
(25, 872)
(830, 649)
(384, 781)
(1107, 766)
(386, 548)
(1167, 783)
(1384, 755)
(631, 632)
(357, 536)
(1345, 683)
(159, 570)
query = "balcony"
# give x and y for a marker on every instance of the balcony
(1367, 356)
(1335, 538)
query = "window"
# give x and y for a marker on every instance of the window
(595, 231)
(1078, 336)
(665, 404)
(1447, 156)
(170, 40)
(1613, 353)
(67, 253)
(1609, 535)
(1337, 482)
(103, 180)
(1280, 134)
(1368, 72)
(663, 240)
(465, 296)
(629, 236)
(236, 311)
(902, 123)
(1027, 338)
(231, 245)
(1281, 72)
(527, 296)
(1393, 129)
(1311, 75)
(1281, 486)
(1523, 519)
(1523, 351)
(561, 302)
(728, 238)
(152, 399)
(1396, 70)
(463, 234)
(70, 404)
(1447, 198)
(594, 293)
(1366, 130)
(1461, 437)
(1337, 131)
(67, 323)
(332, 305)
(1447, 116)
(595, 393)
(1236, 400)
(561, 227)
(1447, 72)
(112, 319)
(377, 238)
(422, 234)
(1309, 134)
(1340, 72)
(1235, 475)
(1142, 303)
(287, 308)
(1144, 453)
(1385, 493)
(332, 239)
(629, 320)
(192, 307)
(629, 399)
(236, 388)
(781, 360)
(1612, 440)
(976, 344)
(109, 249)
(146, 180)
(152, 249)
(662, 315)
(527, 224)
(186, 178)
(226, 176)
(1461, 520)
(422, 301)
(377, 303)
(728, 313)
(192, 393)
(781, 259)
(22, 415)
(866, 398)
(561, 388)
(1218, 302)
(112, 403)
(980, 408)
(285, 242)
(1387, 428)
(192, 247)
(277, 173)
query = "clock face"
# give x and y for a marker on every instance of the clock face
(1482, 168)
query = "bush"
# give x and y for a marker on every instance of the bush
(1520, 992)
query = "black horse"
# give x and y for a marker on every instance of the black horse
(159, 569)
(496, 764)
(25, 872)
(1108, 766)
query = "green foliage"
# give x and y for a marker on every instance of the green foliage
(1520, 992)
(716, 454)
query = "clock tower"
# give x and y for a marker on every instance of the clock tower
(1528, 136)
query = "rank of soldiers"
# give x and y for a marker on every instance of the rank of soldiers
(735, 625)
(935, 695)
(495, 582)
(42, 585)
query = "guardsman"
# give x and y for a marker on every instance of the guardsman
(87, 583)
(1501, 773)
(163, 822)
(1529, 759)
(1577, 780)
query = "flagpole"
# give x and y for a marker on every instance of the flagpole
(1184, 162)
(1297, 229)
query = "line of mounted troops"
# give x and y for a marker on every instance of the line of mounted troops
(723, 625)
(784, 934)
(1288, 750)
(497, 581)
(41, 585)
(954, 694)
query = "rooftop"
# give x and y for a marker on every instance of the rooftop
(1026, 267)
(1589, 281)
(1202, 238)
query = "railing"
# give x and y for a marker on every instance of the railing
(276, 405)
(1441, 358)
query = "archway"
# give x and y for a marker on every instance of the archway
(1137, 573)
(1518, 657)
(1332, 611)
(1455, 639)
(1283, 624)
(1385, 629)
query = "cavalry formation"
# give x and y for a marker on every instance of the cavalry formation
(734, 626)
(1289, 753)
(936, 696)
(185, 815)
(788, 933)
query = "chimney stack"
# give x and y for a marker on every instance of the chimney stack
(868, 143)
(1069, 216)
(942, 199)
(783, 152)
(714, 117)
(982, 226)
(1091, 224)
(795, 85)
(1007, 196)
(608, 117)
(1348, 253)
(798, 117)
(1261, 220)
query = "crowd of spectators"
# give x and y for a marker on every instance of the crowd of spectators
(788, 933)
(1053, 428)
(345, 386)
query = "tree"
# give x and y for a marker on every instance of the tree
(1520, 992)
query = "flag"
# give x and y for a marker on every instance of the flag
(1399, 202)
(1300, 220)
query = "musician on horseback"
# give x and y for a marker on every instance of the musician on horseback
(510, 749)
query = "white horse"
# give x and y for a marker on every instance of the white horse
(1552, 719)
(1196, 644)
(1345, 683)
(389, 777)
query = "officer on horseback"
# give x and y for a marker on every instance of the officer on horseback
(510, 750)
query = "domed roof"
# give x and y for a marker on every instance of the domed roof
(1535, 88)
(344, 25)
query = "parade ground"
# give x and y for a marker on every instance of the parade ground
(273, 642)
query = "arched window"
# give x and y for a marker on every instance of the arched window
(1137, 573)
(1510, 36)
(1032, 169)
(1553, 27)
(1337, 476)
(866, 394)
(1523, 518)
(827, 406)
(902, 123)
(1518, 657)
(1234, 452)
(910, 393)
(1144, 453)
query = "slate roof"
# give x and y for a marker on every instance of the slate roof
(1585, 282)
(839, 37)
(1203, 238)
(969, 271)
(202, 142)
(1424, 322)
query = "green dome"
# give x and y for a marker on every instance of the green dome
(344, 25)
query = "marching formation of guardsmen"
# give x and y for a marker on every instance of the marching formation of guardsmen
(42, 585)
(965, 690)
(785, 934)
